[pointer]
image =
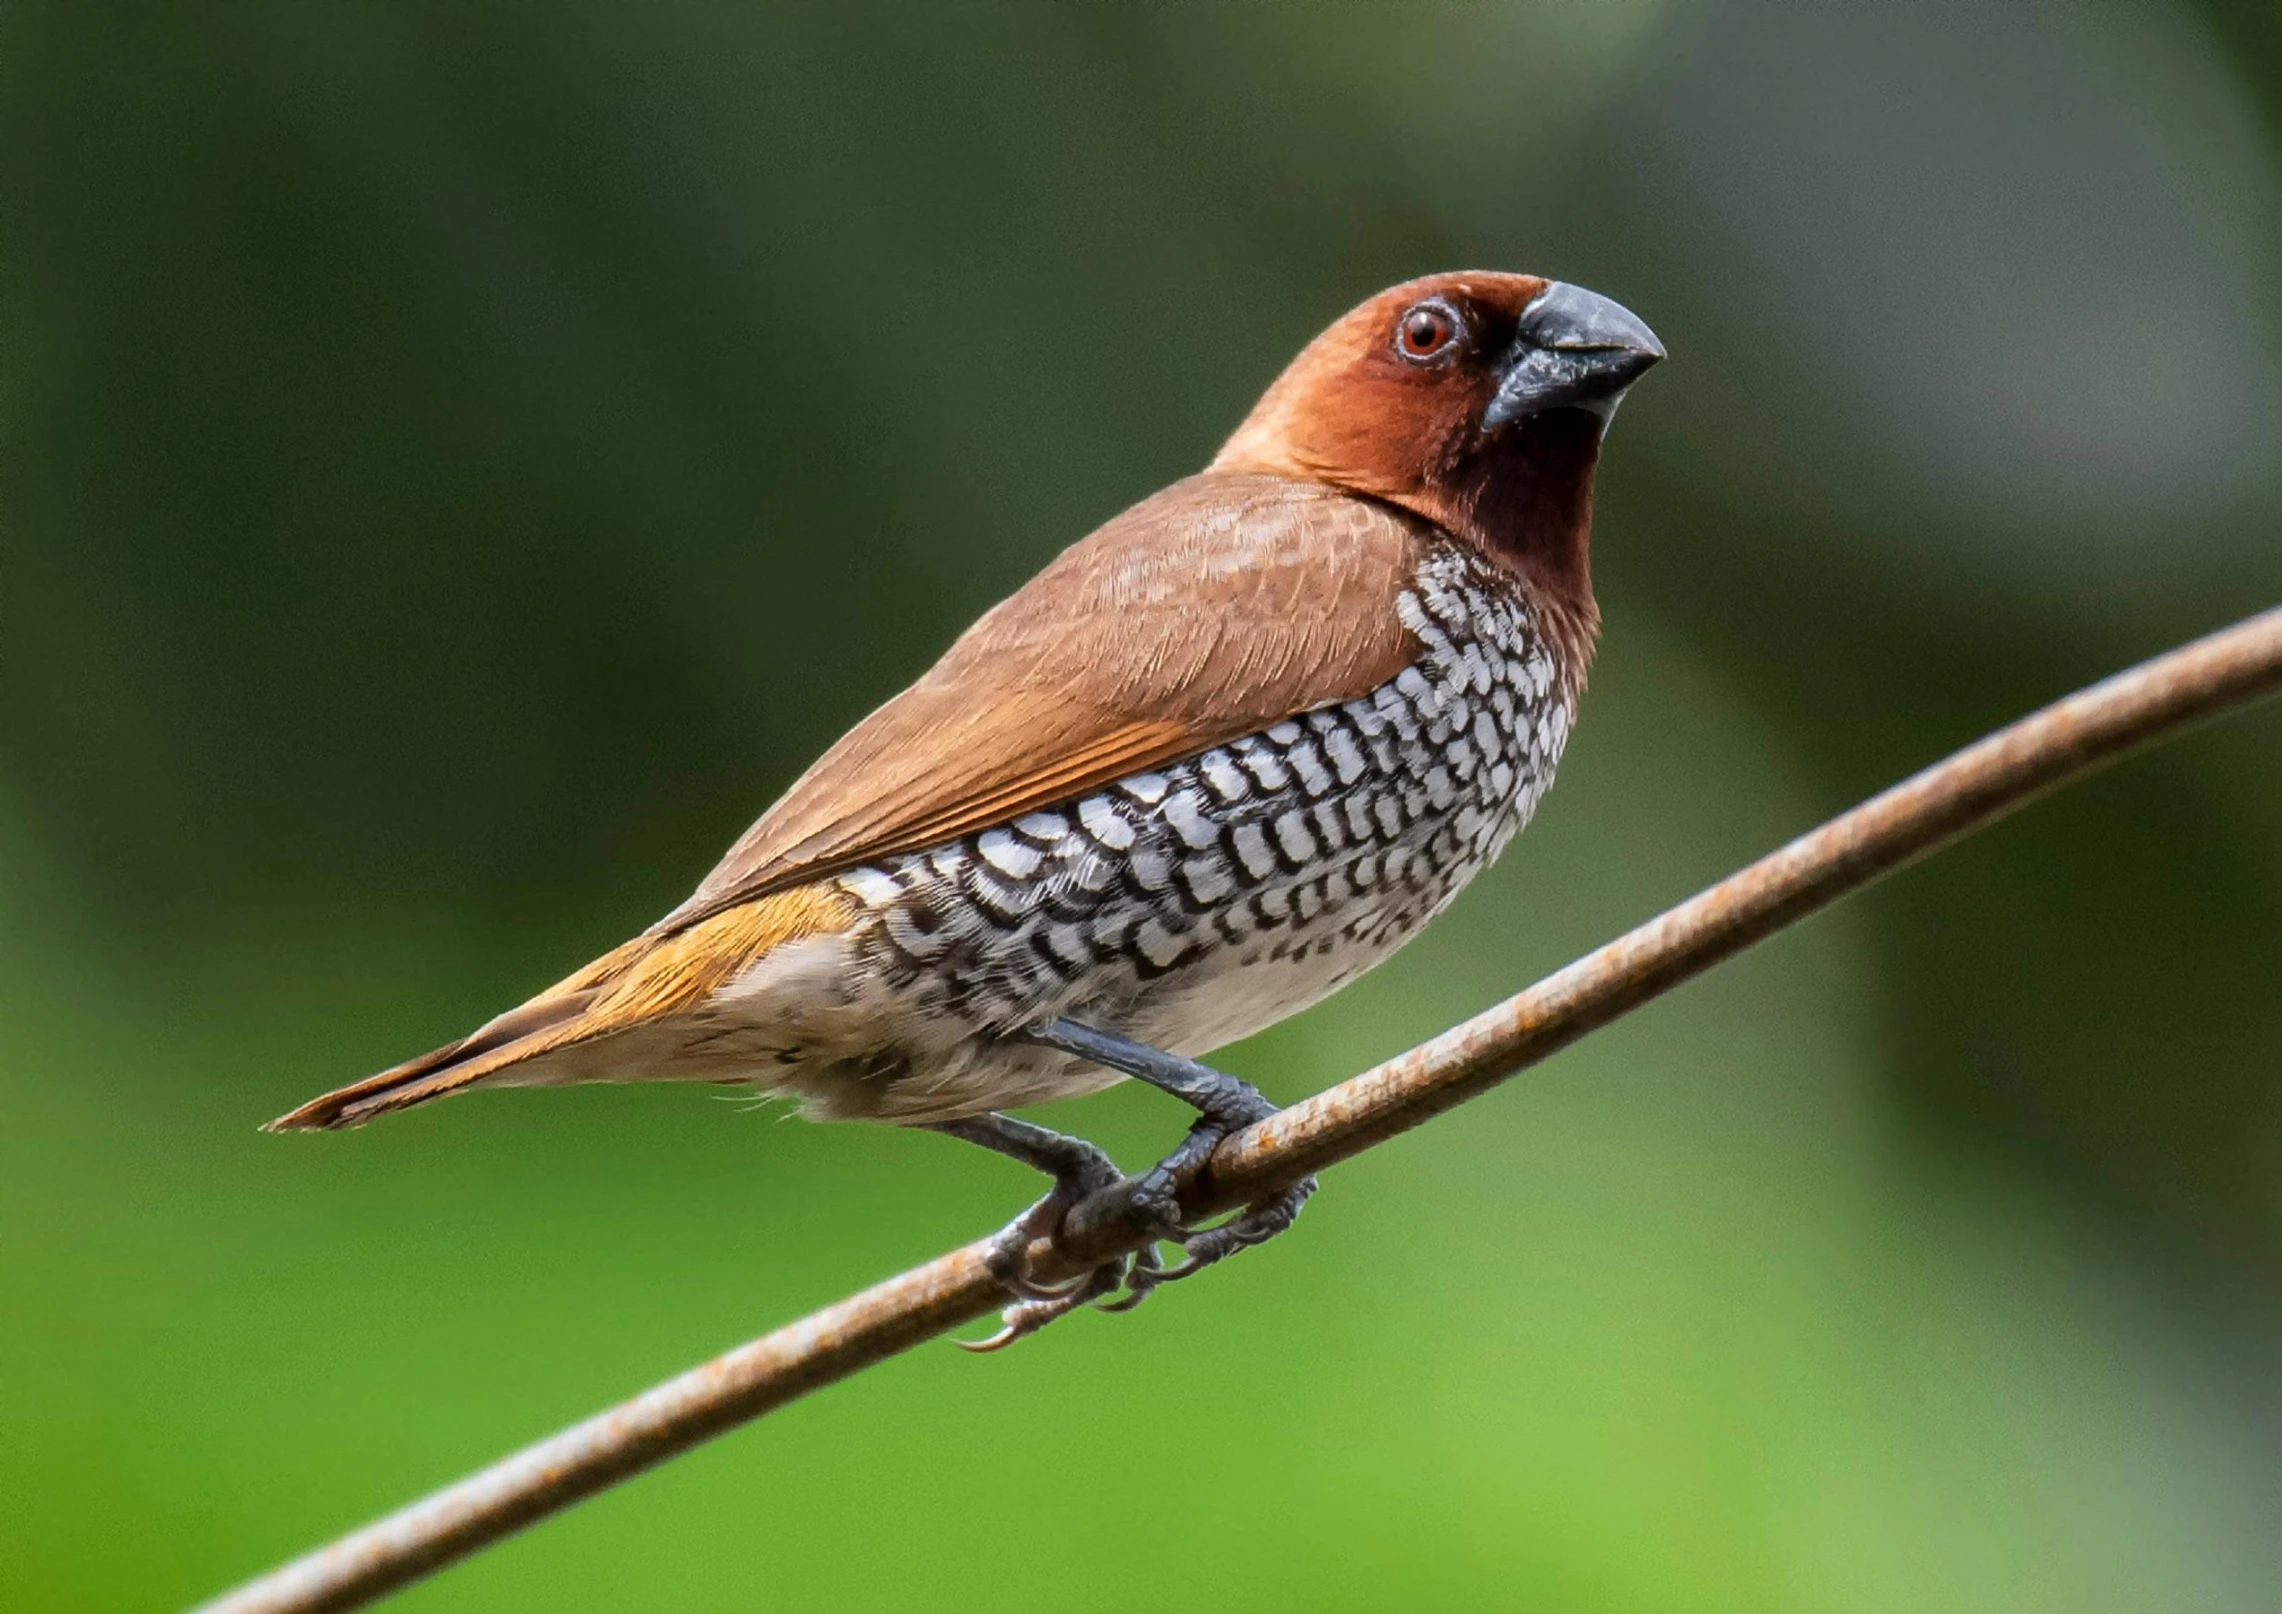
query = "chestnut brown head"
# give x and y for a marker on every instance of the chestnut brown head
(1476, 400)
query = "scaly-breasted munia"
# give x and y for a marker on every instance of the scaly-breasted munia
(1213, 763)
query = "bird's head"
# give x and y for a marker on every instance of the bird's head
(1476, 400)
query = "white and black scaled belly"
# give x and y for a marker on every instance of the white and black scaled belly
(1200, 902)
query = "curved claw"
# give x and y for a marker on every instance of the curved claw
(997, 1342)
(1255, 1224)
(1021, 1283)
(1141, 1275)
(1200, 1249)
(1026, 1317)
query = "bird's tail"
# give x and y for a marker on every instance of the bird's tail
(641, 984)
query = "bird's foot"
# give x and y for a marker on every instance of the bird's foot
(1254, 1224)
(1079, 1169)
(1037, 1304)
(1153, 1208)
(1155, 1198)
(1007, 1256)
(1226, 1104)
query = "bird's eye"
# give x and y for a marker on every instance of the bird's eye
(1427, 332)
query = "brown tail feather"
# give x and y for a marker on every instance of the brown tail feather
(643, 981)
(514, 1036)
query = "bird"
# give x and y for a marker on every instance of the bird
(1220, 757)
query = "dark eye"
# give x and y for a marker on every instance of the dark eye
(1428, 331)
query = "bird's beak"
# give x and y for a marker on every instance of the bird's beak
(1575, 350)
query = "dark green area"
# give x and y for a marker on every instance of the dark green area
(456, 464)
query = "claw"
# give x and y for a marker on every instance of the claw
(1141, 1276)
(1030, 1288)
(1026, 1317)
(1174, 1274)
(1255, 1224)
(997, 1342)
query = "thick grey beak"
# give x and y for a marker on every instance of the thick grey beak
(1575, 350)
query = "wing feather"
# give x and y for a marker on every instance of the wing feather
(1222, 606)
(1217, 608)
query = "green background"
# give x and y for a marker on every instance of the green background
(456, 464)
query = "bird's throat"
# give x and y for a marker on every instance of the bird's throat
(1526, 501)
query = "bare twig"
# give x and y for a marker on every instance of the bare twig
(1971, 789)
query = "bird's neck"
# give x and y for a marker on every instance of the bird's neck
(1524, 502)
(1528, 506)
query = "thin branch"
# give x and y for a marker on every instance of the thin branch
(1968, 791)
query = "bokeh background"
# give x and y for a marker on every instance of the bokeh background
(457, 464)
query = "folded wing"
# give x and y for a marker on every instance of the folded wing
(1223, 605)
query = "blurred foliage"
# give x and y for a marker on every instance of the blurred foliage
(457, 463)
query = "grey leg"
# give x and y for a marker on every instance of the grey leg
(1078, 1169)
(1072, 1162)
(1214, 1094)
(1226, 1105)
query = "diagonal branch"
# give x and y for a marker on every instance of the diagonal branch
(1973, 788)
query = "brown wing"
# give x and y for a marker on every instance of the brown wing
(1222, 605)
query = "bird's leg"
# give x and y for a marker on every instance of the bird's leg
(1226, 1105)
(1078, 1169)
